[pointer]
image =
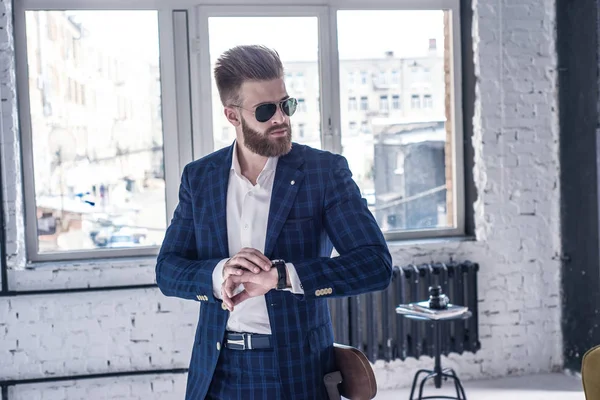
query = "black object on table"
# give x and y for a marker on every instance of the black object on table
(433, 312)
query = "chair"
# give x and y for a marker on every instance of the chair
(355, 375)
(590, 373)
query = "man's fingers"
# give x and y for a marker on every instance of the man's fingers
(228, 303)
(246, 277)
(238, 298)
(228, 287)
(227, 300)
(256, 257)
(229, 271)
(240, 261)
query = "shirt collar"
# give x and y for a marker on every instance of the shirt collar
(270, 165)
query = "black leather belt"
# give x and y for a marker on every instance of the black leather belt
(247, 341)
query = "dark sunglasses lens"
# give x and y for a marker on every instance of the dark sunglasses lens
(264, 112)
(289, 107)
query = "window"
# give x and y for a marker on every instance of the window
(105, 174)
(384, 105)
(98, 177)
(364, 103)
(363, 77)
(383, 78)
(352, 104)
(395, 77)
(402, 163)
(289, 80)
(301, 105)
(364, 127)
(415, 101)
(300, 81)
(427, 101)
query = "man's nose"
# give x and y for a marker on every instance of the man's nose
(279, 116)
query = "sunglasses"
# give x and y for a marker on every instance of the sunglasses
(265, 112)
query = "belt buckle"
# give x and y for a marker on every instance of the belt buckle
(238, 343)
(242, 342)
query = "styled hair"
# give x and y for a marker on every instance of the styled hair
(245, 63)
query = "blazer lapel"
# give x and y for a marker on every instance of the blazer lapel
(285, 187)
(218, 182)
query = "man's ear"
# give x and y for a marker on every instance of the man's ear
(232, 116)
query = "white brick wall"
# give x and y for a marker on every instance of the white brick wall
(14, 224)
(517, 219)
(94, 332)
(156, 387)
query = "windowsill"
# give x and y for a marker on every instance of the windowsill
(116, 262)
(429, 241)
(84, 274)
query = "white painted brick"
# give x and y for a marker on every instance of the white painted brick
(21, 393)
(162, 386)
(6, 345)
(57, 393)
(4, 310)
(76, 393)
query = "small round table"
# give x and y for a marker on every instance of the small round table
(437, 373)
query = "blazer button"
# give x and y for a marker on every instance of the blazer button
(223, 306)
(199, 297)
(218, 346)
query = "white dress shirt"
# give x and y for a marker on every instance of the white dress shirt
(247, 216)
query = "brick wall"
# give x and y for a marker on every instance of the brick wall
(516, 174)
(156, 387)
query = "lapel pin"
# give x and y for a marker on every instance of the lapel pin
(292, 182)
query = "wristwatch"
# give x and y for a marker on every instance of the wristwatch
(281, 274)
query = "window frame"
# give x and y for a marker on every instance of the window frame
(202, 68)
(172, 120)
(182, 147)
(456, 102)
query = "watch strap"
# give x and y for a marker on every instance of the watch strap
(281, 274)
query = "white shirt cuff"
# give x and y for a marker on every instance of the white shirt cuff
(294, 279)
(217, 278)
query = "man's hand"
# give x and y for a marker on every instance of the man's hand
(255, 284)
(247, 260)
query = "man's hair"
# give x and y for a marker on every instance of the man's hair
(245, 63)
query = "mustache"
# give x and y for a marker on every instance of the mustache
(278, 128)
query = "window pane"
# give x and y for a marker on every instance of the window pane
(297, 45)
(94, 87)
(400, 159)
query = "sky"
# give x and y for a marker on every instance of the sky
(361, 34)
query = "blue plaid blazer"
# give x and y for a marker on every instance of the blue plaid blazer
(315, 206)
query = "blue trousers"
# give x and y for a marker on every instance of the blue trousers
(246, 375)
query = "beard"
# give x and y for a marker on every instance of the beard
(264, 145)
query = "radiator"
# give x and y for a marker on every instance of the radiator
(369, 322)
